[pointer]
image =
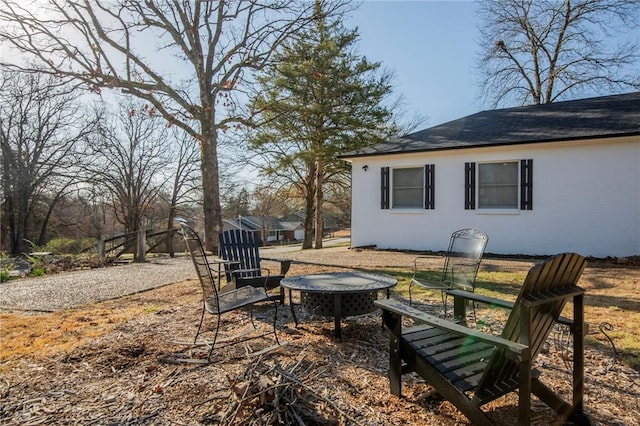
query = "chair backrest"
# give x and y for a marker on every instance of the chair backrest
(463, 257)
(549, 284)
(239, 245)
(199, 257)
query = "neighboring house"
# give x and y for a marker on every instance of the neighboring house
(242, 222)
(329, 219)
(292, 231)
(269, 229)
(538, 180)
(297, 216)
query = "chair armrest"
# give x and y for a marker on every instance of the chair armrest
(475, 297)
(251, 273)
(416, 259)
(285, 264)
(401, 309)
(426, 283)
(241, 272)
(259, 276)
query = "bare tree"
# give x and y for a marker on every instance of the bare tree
(185, 162)
(40, 125)
(128, 161)
(268, 204)
(186, 58)
(539, 51)
(94, 208)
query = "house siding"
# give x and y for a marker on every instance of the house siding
(587, 200)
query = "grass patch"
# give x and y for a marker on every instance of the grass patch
(41, 336)
(611, 301)
(612, 298)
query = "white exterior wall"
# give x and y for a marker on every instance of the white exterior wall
(586, 199)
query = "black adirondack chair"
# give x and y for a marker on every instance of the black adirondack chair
(227, 299)
(241, 248)
(460, 267)
(470, 368)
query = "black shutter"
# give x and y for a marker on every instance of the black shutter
(429, 187)
(384, 188)
(526, 184)
(469, 186)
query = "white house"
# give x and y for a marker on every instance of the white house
(538, 180)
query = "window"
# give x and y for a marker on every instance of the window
(499, 185)
(408, 188)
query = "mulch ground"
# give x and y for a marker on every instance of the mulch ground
(129, 375)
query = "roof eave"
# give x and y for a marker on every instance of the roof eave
(497, 144)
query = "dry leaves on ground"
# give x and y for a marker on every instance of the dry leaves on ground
(122, 377)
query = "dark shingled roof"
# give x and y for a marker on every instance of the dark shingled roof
(607, 116)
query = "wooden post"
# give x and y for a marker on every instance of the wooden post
(142, 246)
(100, 249)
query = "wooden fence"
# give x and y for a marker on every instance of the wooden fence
(139, 244)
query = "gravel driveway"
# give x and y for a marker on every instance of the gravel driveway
(69, 289)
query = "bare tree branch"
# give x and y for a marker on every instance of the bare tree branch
(41, 124)
(539, 51)
(187, 59)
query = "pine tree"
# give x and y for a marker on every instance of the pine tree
(318, 100)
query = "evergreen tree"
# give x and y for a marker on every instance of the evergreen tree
(318, 100)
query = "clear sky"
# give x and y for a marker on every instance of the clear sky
(430, 46)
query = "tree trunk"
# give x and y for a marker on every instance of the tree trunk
(172, 215)
(211, 189)
(307, 242)
(319, 199)
(20, 231)
(42, 238)
(309, 194)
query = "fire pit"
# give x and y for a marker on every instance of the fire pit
(338, 295)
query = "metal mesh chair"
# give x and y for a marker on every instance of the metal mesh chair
(460, 268)
(226, 300)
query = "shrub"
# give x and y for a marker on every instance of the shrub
(7, 265)
(36, 272)
(67, 245)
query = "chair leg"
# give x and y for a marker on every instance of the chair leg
(215, 337)
(195, 339)
(293, 312)
(275, 319)
(410, 298)
(443, 294)
(251, 316)
(394, 323)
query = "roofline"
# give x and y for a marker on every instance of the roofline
(580, 138)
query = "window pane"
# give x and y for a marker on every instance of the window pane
(403, 178)
(407, 198)
(498, 185)
(503, 197)
(407, 188)
(498, 173)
